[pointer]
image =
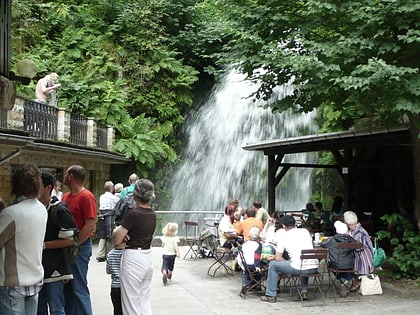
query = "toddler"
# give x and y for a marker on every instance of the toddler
(170, 242)
(113, 268)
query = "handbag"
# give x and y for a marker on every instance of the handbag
(370, 285)
(379, 255)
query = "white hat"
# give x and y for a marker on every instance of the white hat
(340, 227)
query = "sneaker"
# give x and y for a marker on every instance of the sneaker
(164, 278)
(269, 299)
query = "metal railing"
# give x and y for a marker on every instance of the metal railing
(40, 120)
(3, 118)
(205, 219)
(101, 137)
(78, 129)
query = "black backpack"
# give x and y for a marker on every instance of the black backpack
(122, 207)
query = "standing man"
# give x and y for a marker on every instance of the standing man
(59, 235)
(129, 190)
(82, 204)
(261, 213)
(22, 230)
(107, 202)
(45, 86)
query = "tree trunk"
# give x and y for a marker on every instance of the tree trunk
(414, 120)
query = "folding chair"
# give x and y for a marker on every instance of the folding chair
(192, 239)
(316, 279)
(221, 256)
(256, 278)
(333, 273)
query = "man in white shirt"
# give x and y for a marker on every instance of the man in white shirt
(293, 241)
(107, 202)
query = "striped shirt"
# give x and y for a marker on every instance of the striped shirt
(113, 266)
(363, 262)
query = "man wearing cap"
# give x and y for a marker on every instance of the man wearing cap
(293, 241)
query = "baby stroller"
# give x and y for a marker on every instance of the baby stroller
(207, 244)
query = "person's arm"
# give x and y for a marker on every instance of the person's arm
(87, 230)
(120, 234)
(177, 250)
(58, 243)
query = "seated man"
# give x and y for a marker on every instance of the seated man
(293, 241)
(243, 227)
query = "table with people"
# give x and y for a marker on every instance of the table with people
(282, 240)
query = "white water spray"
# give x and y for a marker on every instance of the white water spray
(214, 168)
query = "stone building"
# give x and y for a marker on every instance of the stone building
(53, 139)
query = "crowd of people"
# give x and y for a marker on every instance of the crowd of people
(281, 240)
(46, 244)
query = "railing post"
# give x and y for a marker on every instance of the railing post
(63, 126)
(15, 117)
(91, 132)
(110, 136)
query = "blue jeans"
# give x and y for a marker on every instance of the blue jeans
(76, 292)
(52, 296)
(284, 267)
(14, 303)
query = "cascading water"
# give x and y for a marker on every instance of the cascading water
(214, 166)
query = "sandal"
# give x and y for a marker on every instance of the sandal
(269, 299)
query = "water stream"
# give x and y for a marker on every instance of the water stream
(214, 168)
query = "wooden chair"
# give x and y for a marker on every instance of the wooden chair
(333, 273)
(316, 280)
(192, 239)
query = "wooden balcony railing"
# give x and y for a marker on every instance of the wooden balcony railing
(42, 121)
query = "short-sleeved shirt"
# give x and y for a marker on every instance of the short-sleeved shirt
(169, 247)
(82, 206)
(262, 215)
(293, 241)
(244, 226)
(141, 224)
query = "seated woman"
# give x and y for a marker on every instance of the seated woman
(226, 229)
(363, 263)
(341, 259)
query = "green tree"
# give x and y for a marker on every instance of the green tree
(358, 58)
(115, 64)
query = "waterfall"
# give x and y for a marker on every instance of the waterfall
(214, 168)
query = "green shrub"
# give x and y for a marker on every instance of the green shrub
(406, 246)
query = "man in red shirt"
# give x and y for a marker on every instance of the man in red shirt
(82, 204)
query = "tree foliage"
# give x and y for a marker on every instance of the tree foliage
(115, 64)
(361, 57)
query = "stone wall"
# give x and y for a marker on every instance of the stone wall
(44, 160)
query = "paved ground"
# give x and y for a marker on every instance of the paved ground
(192, 291)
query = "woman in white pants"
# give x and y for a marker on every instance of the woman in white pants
(137, 230)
